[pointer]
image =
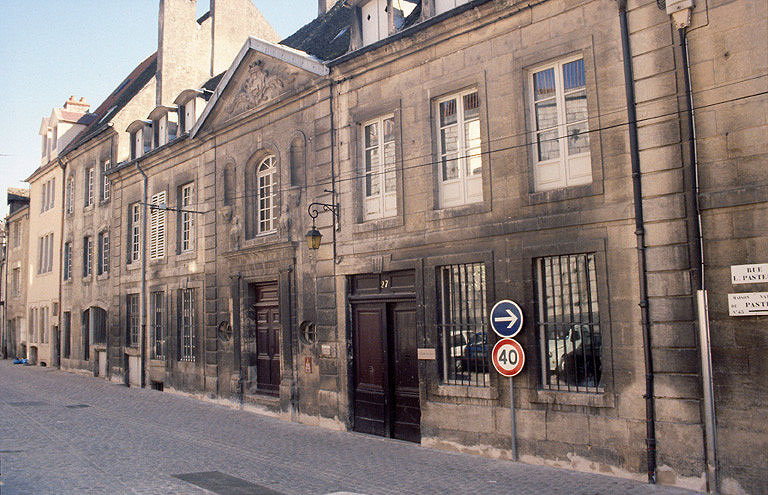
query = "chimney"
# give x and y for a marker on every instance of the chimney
(324, 6)
(75, 105)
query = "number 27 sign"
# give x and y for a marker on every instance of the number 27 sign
(508, 357)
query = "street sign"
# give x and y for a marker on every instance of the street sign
(749, 274)
(506, 318)
(508, 357)
(748, 304)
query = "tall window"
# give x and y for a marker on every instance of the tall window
(105, 186)
(48, 195)
(266, 208)
(158, 324)
(45, 254)
(379, 188)
(43, 324)
(67, 261)
(568, 320)
(89, 179)
(103, 258)
(462, 321)
(461, 161)
(186, 221)
(157, 226)
(559, 109)
(87, 256)
(134, 232)
(66, 333)
(16, 237)
(70, 198)
(187, 324)
(16, 282)
(134, 323)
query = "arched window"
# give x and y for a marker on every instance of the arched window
(262, 192)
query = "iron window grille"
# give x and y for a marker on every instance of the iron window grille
(187, 325)
(568, 323)
(462, 324)
(158, 325)
(132, 312)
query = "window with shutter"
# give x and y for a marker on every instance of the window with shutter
(157, 226)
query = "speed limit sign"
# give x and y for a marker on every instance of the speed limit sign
(508, 357)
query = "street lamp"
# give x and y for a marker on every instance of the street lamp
(313, 235)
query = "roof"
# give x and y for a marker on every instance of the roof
(327, 36)
(120, 97)
(18, 192)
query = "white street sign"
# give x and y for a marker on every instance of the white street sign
(749, 274)
(748, 304)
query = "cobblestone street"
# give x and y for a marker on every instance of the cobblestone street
(64, 433)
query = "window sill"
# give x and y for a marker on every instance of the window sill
(186, 255)
(261, 240)
(466, 391)
(158, 261)
(103, 276)
(88, 208)
(135, 265)
(377, 224)
(590, 399)
(565, 193)
(132, 351)
(458, 211)
(104, 202)
(88, 279)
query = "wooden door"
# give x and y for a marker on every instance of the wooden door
(266, 334)
(406, 411)
(371, 387)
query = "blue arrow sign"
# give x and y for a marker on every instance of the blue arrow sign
(506, 319)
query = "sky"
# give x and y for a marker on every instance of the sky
(51, 50)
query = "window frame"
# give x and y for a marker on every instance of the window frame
(134, 221)
(102, 261)
(462, 151)
(382, 170)
(67, 261)
(564, 158)
(87, 256)
(89, 184)
(187, 323)
(69, 207)
(158, 223)
(133, 320)
(106, 191)
(158, 313)
(186, 218)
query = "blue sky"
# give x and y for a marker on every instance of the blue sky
(50, 50)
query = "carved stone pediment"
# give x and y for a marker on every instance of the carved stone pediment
(262, 83)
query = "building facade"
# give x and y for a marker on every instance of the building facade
(15, 280)
(598, 163)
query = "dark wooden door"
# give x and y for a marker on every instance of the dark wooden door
(267, 336)
(386, 392)
(406, 411)
(371, 387)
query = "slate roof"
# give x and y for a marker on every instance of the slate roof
(327, 36)
(120, 97)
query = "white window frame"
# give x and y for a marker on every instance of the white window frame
(67, 261)
(465, 188)
(384, 203)
(187, 222)
(157, 226)
(105, 185)
(88, 256)
(103, 257)
(89, 183)
(567, 169)
(266, 195)
(375, 21)
(135, 212)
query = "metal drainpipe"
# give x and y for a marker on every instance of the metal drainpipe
(710, 418)
(63, 162)
(142, 306)
(650, 417)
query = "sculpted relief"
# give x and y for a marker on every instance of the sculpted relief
(260, 85)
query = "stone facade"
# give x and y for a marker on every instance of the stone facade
(15, 283)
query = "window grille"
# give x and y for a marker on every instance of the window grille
(462, 324)
(132, 312)
(158, 325)
(569, 323)
(187, 324)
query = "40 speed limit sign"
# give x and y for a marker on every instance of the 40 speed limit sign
(508, 357)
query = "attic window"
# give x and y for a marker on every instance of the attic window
(106, 115)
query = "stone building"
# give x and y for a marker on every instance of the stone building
(453, 154)
(132, 121)
(15, 281)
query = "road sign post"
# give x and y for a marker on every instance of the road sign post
(506, 319)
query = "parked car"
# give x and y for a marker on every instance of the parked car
(575, 358)
(476, 353)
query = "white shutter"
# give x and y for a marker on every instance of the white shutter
(157, 227)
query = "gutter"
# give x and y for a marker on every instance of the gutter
(143, 306)
(63, 163)
(637, 193)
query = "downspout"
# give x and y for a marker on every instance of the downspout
(697, 253)
(650, 419)
(142, 306)
(63, 162)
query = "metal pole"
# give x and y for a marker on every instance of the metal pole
(710, 422)
(142, 306)
(512, 418)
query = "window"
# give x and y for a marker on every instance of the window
(55, 138)
(375, 21)
(16, 282)
(461, 161)
(105, 186)
(70, 200)
(379, 187)
(85, 334)
(87, 256)
(103, 258)
(135, 144)
(16, 234)
(66, 333)
(182, 119)
(568, 320)
(134, 232)
(132, 313)
(43, 320)
(446, 5)
(157, 226)
(147, 138)
(156, 133)
(45, 254)
(186, 222)
(158, 325)
(48, 195)
(67, 261)
(187, 324)
(559, 109)
(462, 322)
(263, 209)
(89, 186)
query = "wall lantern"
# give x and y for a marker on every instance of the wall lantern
(313, 235)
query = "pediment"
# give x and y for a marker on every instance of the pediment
(262, 75)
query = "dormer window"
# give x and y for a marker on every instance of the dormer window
(141, 137)
(188, 109)
(446, 5)
(164, 125)
(375, 21)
